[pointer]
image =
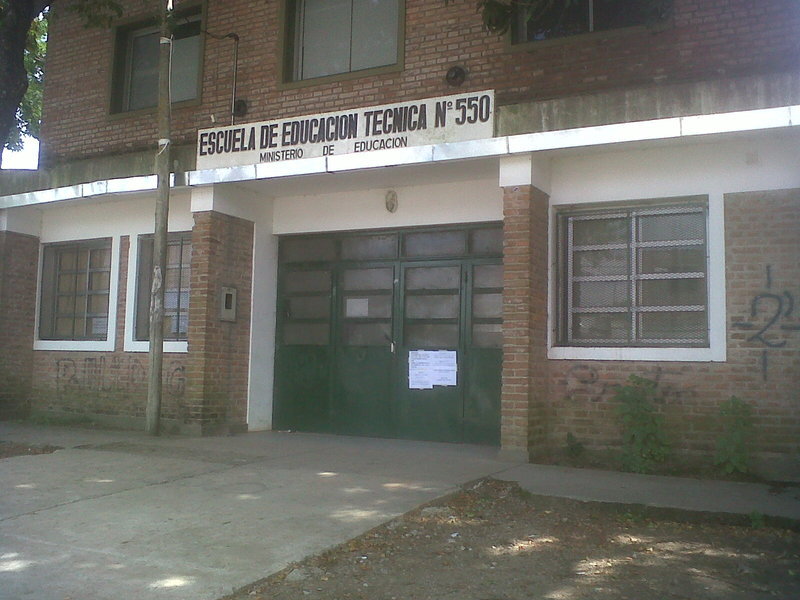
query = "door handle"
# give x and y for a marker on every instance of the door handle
(391, 342)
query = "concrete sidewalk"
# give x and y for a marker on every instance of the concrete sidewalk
(123, 515)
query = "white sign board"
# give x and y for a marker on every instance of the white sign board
(427, 368)
(457, 118)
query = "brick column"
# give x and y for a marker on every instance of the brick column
(19, 259)
(219, 351)
(525, 377)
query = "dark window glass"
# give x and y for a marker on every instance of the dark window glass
(76, 280)
(136, 70)
(436, 243)
(542, 20)
(369, 247)
(486, 242)
(307, 281)
(308, 250)
(329, 37)
(177, 280)
(381, 278)
(433, 278)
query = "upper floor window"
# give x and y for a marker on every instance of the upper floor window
(634, 277)
(330, 37)
(536, 20)
(76, 280)
(135, 84)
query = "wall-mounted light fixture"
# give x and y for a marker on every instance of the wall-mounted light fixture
(456, 75)
(391, 201)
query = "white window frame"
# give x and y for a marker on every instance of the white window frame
(716, 350)
(106, 345)
(131, 344)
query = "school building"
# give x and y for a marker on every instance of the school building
(385, 221)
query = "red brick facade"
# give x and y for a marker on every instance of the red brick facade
(704, 40)
(108, 386)
(762, 238)
(525, 366)
(543, 400)
(20, 259)
(203, 390)
(219, 351)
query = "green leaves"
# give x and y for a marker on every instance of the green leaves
(96, 13)
(733, 445)
(29, 112)
(643, 440)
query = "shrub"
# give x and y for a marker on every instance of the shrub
(733, 444)
(643, 440)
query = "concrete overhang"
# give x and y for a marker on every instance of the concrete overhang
(461, 159)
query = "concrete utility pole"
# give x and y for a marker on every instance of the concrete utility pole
(163, 162)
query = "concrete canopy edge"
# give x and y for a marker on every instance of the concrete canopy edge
(594, 136)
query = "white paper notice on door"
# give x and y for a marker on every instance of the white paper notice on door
(427, 368)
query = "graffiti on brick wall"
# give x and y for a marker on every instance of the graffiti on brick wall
(777, 307)
(113, 375)
(176, 380)
(585, 382)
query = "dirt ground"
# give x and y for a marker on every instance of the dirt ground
(493, 541)
(9, 449)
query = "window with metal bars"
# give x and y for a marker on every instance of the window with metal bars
(176, 286)
(634, 277)
(76, 279)
(537, 20)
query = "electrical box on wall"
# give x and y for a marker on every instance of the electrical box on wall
(227, 305)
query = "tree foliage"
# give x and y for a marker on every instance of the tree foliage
(29, 112)
(23, 39)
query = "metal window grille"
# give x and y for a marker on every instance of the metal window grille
(635, 277)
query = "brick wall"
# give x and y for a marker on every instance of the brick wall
(19, 259)
(706, 40)
(762, 238)
(219, 351)
(110, 386)
(524, 390)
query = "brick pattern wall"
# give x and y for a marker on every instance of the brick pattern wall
(762, 239)
(19, 258)
(525, 368)
(706, 40)
(219, 351)
(107, 384)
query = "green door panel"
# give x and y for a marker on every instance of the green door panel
(302, 391)
(431, 414)
(362, 391)
(482, 372)
(352, 305)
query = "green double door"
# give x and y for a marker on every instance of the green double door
(348, 328)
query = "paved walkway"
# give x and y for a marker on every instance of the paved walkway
(121, 515)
